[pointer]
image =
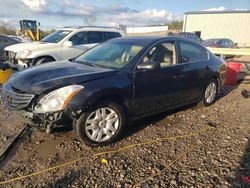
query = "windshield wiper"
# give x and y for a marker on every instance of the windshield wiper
(86, 63)
(93, 64)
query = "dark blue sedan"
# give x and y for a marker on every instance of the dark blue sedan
(114, 83)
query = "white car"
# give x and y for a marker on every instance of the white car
(66, 43)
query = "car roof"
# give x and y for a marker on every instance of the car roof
(185, 33)
(147, 40)
(217, 39)
(91, 28)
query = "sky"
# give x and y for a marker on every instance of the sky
(60, 13)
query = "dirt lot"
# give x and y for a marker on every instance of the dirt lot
(213, 151)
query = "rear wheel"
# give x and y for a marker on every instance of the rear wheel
(210, 93)
(101, 125)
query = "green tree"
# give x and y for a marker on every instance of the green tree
(175, 25)
(6, 28)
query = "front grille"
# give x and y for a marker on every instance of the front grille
(13, 100)
(10, 57)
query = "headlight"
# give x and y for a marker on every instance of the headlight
(58, 99)
(23, 54)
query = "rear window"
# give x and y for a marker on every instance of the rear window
(191, 53)
(112, 35)
(95, 37)
(194, 36)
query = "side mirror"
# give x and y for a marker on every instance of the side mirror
(149, 65)
(68, 44)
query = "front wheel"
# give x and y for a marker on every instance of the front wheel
(101, 125)
(42, 60)
(210, 93)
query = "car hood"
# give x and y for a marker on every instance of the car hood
(47, 77)
(29, 46)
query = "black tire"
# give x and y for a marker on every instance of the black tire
(42, 60)
(204, 101)
(80, 124)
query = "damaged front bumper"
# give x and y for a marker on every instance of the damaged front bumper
(19, 64)
(50, 120)
(46, 121)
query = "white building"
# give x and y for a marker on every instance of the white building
(234, 25)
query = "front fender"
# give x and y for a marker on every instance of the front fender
(117, 86)
(54, 53)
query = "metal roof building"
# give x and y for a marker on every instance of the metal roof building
(234, 25)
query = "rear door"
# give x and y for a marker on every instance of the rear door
(194, 61)
(156, 90)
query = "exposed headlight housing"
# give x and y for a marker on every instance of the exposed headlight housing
(57, 100)
(23, 54)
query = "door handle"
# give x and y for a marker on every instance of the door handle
(178, 76)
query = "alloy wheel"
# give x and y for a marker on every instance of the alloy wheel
(102, 124)
(210, 93)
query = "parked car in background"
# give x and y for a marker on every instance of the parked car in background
(114, 83)
(63, 44)
(20, 39)
(4, 42)
(187, 35)
(219, 43)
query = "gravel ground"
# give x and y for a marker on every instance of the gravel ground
(214, 151)
(9, 126)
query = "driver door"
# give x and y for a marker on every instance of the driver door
(156, 90)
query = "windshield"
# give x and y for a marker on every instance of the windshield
(110, 55)
(56, 36)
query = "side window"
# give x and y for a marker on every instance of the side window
(189, 53)
(1, 39)
(220, 43)
(195, 37)
(79, 38)
(95, 37)
(230, 43)
(163, 53)
(227, 44)
(7, 39)
(112, 35)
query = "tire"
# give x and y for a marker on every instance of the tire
(42, 60)
(94, 134)
(210, 93)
